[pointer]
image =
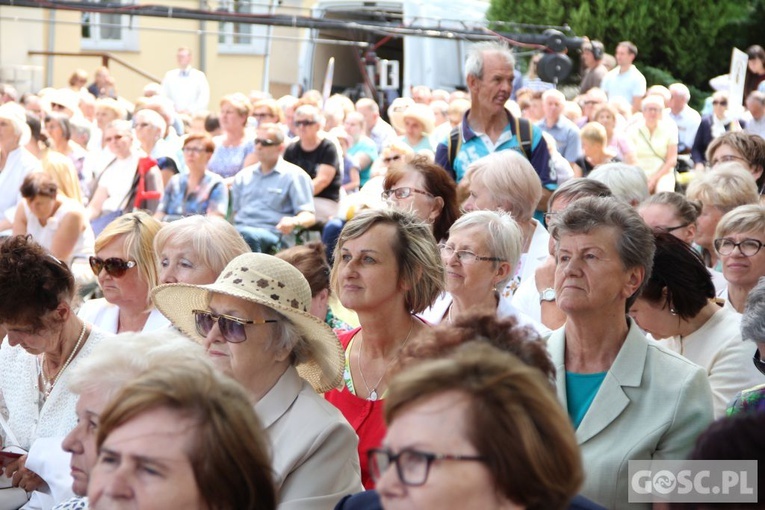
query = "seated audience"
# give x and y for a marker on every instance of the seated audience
(753, 330)
(273, 197)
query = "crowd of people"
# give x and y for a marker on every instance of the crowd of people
(495, 300)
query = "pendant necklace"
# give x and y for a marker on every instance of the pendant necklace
(373, 395)
(48, 384)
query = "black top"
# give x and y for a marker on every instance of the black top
(326, 154)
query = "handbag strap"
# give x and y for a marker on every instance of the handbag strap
(649, 144)
(10, 437)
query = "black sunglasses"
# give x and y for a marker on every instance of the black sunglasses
(113, 266)
(232, 328)
(759, 363)
(265, 142)
(305, 122)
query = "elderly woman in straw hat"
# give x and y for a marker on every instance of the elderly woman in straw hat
(255, 324)
(418, 124)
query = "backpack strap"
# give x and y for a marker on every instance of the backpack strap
(454, 144)
(523, 134)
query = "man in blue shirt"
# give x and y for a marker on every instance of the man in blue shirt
(488, 126)
(271, 197)
(564, 131)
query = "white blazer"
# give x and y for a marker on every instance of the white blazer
(653, 403)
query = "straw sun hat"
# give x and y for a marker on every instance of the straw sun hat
(275, 284)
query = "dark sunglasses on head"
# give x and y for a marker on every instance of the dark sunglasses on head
(113, 266)
(231, 328)
(265, 142)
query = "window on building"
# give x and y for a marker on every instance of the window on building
(107, 31)
(243, 37)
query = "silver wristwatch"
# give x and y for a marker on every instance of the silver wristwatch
(547, 295)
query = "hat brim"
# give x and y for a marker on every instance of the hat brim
(326, 359)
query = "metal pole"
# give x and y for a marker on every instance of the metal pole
(202, 40)
(51, 48)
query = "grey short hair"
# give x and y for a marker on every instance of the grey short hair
(753, 319)
(503, 236)
(511, 180)
(628, 183)
(116, 362)
(152, 118)
(680, 89)
(474, 62)
(634, 240)
(287, 337)
(579, 187)
(214, 240)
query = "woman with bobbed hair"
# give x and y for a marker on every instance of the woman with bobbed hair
(45, 339)
(267, 111)
(386, 268)
(195, 249)
(311, 260)
(199, 428)
(669, 212)
(677, 308)
(199, 191)
(479, 257)
(719, 192)
(478, 429)
(126, 269)
(741, 147)
(506, 181)
(738, 242)
(426, 190)
(55, 221)
(234, 150)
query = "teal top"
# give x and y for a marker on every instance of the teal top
(580, 392)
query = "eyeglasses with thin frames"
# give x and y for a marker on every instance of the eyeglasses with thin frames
(402, 193)
(727, 158)
(231, 328)
(114, 266)
(412, 466)
(464, 256)
(303, 123)
(747, 247)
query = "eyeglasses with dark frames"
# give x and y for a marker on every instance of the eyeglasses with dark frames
(392, 158)
(114, 266)
(231, 328)
(265, 142)
(195, 150)
(464, 256)
(747, 247)
(299, 123)
(412, 466)
(668, 230)
(401, 193)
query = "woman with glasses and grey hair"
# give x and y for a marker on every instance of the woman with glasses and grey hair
(753, 329)
(479, 256)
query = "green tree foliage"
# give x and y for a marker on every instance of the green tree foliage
(689, 39)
